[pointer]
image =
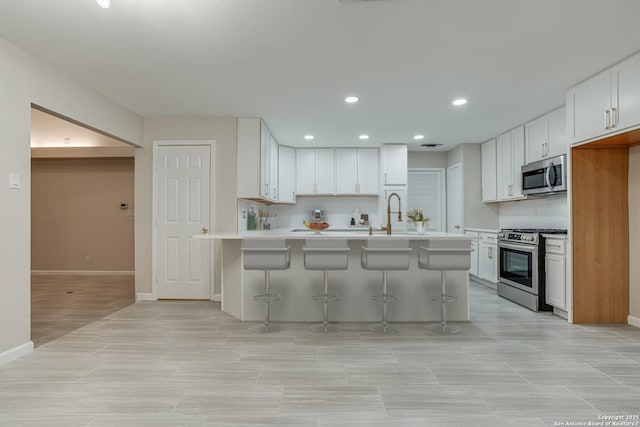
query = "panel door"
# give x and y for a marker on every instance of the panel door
(325, 171)
(626, 78)
(182, 210)
(587, 104)
(555, 280)
(305, 171)
(346, 171)
(368, 171)
(537, 136)
(273, 169)
(558, 138)
(265, 161)
(489, 181)
(504, 171)
(455, 202)
(286, 174)
(517, 161)
(394, 164)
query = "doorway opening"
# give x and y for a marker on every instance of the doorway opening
(82, 225)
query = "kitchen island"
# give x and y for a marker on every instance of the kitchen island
(414, 287)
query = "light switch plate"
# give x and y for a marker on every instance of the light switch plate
(14, 181)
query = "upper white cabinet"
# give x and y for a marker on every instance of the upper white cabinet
(315, 172)
(357, 171)
(510, 158)
(546, 136)
(606, 103)
(489, 179)
(257, 172)
(286, 174)
(394, 164)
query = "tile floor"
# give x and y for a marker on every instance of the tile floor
(172, 363)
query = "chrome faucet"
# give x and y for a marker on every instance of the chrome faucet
(388, 227)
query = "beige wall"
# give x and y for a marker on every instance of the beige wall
(75, 213)
(418, 159)
(27, 80)
(634, 232)
(220, 129)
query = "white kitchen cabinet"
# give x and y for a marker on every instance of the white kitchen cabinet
(546, 136)
(489, 179)
(510, 158)
(394, 164)
(315, 171)
(357, 171)
(286, 174)
(473, 270)
(488, 257)
(555, 271)
(606, 103)
(257, 164)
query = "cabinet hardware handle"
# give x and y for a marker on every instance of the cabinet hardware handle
(266, 189)
(205, 230)
(546, 149)
(545, 264)
(385, 177)
(613, 118)
(607, 119)
(315, 188)
(357, 188)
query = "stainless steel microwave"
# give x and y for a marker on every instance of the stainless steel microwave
(545, 176)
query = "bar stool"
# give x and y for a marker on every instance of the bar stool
(267, 255)
(326, 254)
(445, 254)
(385, 254)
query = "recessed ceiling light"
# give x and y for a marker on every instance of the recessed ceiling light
(351, 99)
(364, 137)
(105, 4)
(458, 102)
(308, 137)
(418, 137)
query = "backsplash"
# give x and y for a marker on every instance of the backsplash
(337, 210)
(547, 212)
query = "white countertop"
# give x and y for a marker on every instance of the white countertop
(351, 235)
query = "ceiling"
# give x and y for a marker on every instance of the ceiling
(292, 62)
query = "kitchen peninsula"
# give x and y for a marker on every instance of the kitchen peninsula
(414, 287)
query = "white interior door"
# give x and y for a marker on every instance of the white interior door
(455, 206)
(183, 178)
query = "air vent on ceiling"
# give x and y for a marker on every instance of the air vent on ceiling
(430, 145)
(361, 1)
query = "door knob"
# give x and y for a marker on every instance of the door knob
(205, 230)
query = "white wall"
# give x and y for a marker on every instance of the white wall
(548, 212)
(634, 232)
(220, 129)
(27, 80)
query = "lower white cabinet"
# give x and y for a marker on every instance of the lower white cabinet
(488, 257)
(555, 273)
(473, 270)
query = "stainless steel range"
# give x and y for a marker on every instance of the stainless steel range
(521, 274)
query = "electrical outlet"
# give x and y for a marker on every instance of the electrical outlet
(87, 259)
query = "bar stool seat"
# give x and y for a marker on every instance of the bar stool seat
(385, 255)
(326, 254)
(445, 254)
(267, 255)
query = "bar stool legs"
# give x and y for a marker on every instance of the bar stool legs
(267, 298)
(384, 298)
(443, 327)
(325, 298)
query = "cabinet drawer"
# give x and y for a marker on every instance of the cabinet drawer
(555, 246)
(489, 237)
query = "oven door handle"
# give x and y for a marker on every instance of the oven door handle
(517, 247)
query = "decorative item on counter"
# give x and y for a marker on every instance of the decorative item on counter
(417, 217)
(317, 227)
(356, 217)
(251, 219)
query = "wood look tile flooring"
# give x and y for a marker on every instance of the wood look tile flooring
(172, 363)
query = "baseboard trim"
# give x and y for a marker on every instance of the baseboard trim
(633, 321)
(81, 273)
(16, 353)
(145, 296)
(217, 298)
